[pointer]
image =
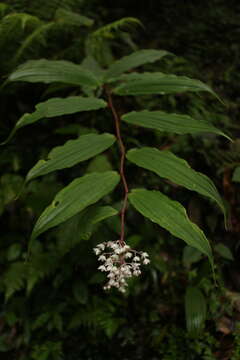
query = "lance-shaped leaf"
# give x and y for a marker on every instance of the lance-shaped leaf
(167, 165)
(173, 123)
(52, 71)
(195, 310)
(75, 197)
(172, 216)
(137, 58)
(158, 83)
(58, 107)
(71, 153)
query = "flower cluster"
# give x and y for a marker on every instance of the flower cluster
(120, 261)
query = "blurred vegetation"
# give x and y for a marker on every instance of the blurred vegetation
(53, 305)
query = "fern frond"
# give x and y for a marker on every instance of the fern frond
(14, 278)
(19, 18)
(3, 9)
(40, 266)
(36, 38)
(47, 350)
(110, 30)
(97, 44)
(46, 9)
(13, 28)
(97, 316)
(70, 18)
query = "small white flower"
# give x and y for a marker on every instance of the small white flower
(111, 275)
(136, 258)
(113, 245)
(146, 261)
(136, 272)
(144, 255)
(101, 246)
(102, 268)
(102, 258)
(109, 267)
(97, 251)
(128, 255)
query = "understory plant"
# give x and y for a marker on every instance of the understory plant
(100, 90)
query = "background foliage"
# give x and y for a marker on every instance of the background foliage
(54, 307)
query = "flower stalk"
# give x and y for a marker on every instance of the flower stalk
(122, 164)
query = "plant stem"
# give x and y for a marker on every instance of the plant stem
(122, 163)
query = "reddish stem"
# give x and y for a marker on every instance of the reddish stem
(122, 164)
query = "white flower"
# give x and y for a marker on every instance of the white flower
(128, 255)
(114, 246)
(136, 272)
(136, 258)
(112, 282)
(114, 263)
(97, 251)
(102, 268)
(111, 275)
(146, 261)
(102, 258)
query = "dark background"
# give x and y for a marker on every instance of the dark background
(52, 305)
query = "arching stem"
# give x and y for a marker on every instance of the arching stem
(117, 121)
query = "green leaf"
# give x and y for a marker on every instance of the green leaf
(71, 153)
(3, 8)
(224, 251)
(14, 278)
(236, 174)
(58, 107)
(172, 216)
(190, 256)
(100, 163)
(14, 251)
(158, 83)
(75, 197)
(92, 65)
(72, 18)
(173, 123)
(137, 58)
(167, 165)
(80, 292)
(52, 71)
(195, 310)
